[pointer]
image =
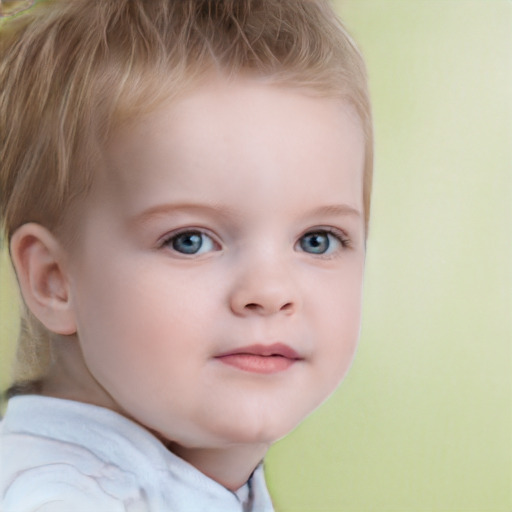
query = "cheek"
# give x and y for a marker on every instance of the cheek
(340, 297)
(116, 314)
(340, 322)
(138, 320)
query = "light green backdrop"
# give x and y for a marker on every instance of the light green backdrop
(423, 422)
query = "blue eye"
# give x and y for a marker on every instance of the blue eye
(320, 242)
(191, 242)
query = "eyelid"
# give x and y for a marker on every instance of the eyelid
(188, 229)
(338, 233)
(341, 236)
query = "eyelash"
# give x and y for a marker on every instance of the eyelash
(171, 237)
(339, 235)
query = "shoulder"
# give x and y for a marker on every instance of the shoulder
(61, 478)
(45, 474)
(49, 476)
(56, 488)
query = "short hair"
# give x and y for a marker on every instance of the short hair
(72, 71)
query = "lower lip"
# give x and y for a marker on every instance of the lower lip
(257, 364)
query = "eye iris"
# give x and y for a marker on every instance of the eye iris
(187, 243)
(316, 243)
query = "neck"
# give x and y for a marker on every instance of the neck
(231, 466)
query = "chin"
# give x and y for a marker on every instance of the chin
(263, 429)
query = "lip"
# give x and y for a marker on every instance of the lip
(259, 358)
(276, 349)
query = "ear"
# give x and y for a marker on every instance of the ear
(38, 260)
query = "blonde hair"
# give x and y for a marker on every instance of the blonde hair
(71, 71)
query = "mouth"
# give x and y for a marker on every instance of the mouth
(265, 359)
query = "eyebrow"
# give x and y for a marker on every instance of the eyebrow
(224, 211)
(336, 209)
(169, 208)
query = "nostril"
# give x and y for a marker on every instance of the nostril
(253, 306)
(268, 308)
(287, 307)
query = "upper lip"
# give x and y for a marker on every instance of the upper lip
(275, 349)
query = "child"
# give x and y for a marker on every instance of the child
(185, 190)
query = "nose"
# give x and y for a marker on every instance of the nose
(266, 290)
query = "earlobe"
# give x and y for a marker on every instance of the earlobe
(38, 261)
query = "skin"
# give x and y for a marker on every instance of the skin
(256, 168)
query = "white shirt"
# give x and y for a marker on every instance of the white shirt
(60, 456)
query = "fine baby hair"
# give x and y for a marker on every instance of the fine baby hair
(185, 194)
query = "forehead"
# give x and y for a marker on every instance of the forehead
(241, 136)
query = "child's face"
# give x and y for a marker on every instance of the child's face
(230, 218)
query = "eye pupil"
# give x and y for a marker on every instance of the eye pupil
(316, 243)
(187, 243)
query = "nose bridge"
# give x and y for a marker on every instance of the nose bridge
(264, 284)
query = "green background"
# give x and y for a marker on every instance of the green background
(423, 422)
